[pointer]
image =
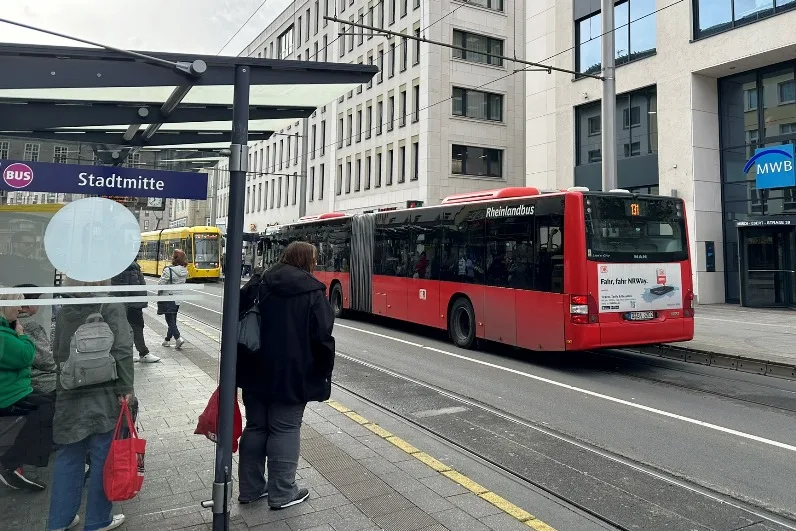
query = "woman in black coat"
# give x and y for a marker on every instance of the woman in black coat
(293, 367)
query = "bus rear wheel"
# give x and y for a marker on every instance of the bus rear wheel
(336, 300)
(461, 323)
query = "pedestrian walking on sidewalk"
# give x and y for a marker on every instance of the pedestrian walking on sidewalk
(293, 367)
(133, 276)
(176, 273)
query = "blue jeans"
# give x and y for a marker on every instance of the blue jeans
(171, 324)
(68, 479)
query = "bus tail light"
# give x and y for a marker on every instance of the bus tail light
(688, 310)
(579, 309)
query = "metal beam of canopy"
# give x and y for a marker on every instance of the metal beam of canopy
(160, 138)
(36, 115)
(88, 76)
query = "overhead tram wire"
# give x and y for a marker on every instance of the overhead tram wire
(241, 27)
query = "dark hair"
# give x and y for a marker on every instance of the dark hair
(178, 258)
(301, 255)
(29, 295)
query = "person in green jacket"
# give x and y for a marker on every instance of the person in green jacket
(35, 440)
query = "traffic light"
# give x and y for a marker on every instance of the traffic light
(414, 204)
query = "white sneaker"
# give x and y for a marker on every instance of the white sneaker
(117, 521)
(180, 343)
(149, 358)
(166, 343)
(75, 521)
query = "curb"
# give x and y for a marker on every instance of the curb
(724, 361)
(485, 494)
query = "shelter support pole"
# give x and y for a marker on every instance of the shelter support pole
(609, 98)
(228, 394)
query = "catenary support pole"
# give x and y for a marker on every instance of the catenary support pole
(609, 98)
(238, 166)
(305, 142)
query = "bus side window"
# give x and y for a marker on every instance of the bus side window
(549, 250)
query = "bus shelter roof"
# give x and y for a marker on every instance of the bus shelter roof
(156, 99)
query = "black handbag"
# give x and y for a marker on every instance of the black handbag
(249, 326)
(165, 307)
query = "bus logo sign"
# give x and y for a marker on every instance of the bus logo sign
(422, 294)
(503, 212)
(773, 167)
(18, 175)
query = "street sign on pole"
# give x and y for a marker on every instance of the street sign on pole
(609, 98)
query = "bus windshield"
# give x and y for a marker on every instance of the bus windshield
(206, 249)
(635, 229)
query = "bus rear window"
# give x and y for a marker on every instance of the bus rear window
(633, 229)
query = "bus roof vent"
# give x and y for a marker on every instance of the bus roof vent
(327, 215)
(489, 195)
(618, 191)
(578, 189)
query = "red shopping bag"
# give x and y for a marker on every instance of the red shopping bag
(123, 474)
(208, 422)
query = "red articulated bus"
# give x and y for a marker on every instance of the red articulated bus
(566, 270)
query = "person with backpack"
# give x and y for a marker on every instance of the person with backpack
(176, 273)
(135, 310)
(34, 441)
(293, 367)
(93, 346)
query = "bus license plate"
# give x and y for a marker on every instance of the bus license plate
(641, 316)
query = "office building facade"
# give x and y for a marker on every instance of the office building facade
(701, 85)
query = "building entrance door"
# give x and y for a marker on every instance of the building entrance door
(768, 261)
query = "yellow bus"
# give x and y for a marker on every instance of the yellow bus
(202, 246)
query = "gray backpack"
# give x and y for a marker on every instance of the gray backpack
(90, 361)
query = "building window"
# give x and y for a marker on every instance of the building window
(351, 39)
(315, 51)
(340, 132)
(482, 162)
(404, 53)
(402, 154)
(313, 141)
(358, 181)
(339, 181)
(281, 153)
(348, 177)
(402, 109)
(368, 121)
(416, 48)
(389, 167)
(715, 16)
(380, 64)
(367, 173)
(321, 181)
(635, 25)
(4, 149)
(312, 183)
(317, 16)
(350, 129)
(370, 62)
(379, 116)
(31, 153)
(325, 46)
(784, 129)
(416, 103)
(265, 196)
(786, 91)
(259, 197)
(370, 21)
(637, 137)
(477, 104)
(287, 190)
(415, 161)
(391, 113)
(273, 191)
(325, 12)
(146, 224)
(298, 32)
(378, 170)
(359, 125)
(285, 43)
(392, 11)
(61, 155)
(480, 49)
(391, 58)
(361, 31)
(295, 187)
(323, 137)
(404, 7)
(496, 5)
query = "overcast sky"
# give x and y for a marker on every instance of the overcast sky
(198, 26)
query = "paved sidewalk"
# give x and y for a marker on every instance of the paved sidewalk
(761, 334)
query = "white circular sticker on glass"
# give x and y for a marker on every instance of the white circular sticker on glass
(92, 239)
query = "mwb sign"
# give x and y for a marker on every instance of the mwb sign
(773, 166)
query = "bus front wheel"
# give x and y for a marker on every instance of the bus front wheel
(461, 323)
(336, 299)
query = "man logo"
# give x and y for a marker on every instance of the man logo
(18, 175)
